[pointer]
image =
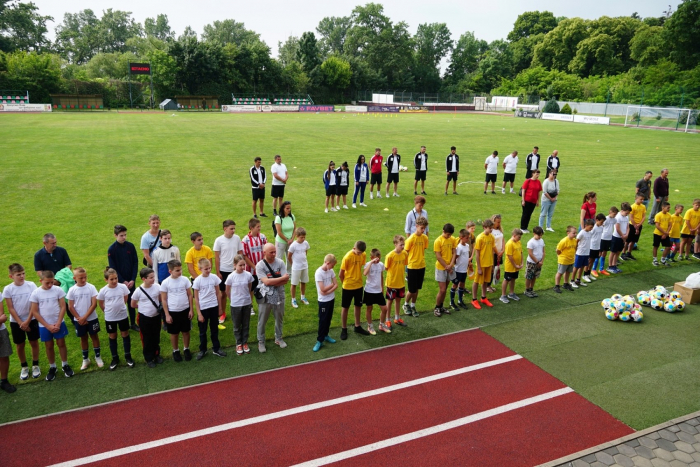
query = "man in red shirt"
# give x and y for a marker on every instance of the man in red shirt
(375, 169)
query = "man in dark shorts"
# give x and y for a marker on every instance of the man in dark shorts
(452, 168)
(258, 178)
(420, 162)
(393, 164)
(375, 169)
(279, 181)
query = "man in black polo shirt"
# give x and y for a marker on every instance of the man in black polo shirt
(51, 258)
(643, 187)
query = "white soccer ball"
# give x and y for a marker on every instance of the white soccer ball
(403, 168)
(628, 301)
(670, 306)
(680, 305)
(637, 315)
(625, 316)
(611, 314)
(674, 295)
(657, 304)
(606, 303)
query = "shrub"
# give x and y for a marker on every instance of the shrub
(551, 107)
(566, 109)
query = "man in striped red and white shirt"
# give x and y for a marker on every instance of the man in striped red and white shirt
(253, 244)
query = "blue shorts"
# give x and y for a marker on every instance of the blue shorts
(47, 335)
(677, 241)
(581, 261)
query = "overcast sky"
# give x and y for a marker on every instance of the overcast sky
(275, 20)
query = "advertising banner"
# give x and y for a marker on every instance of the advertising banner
(558, 117)
(280, 108)
(140, 68)
(240, 108)
(356, 108)
(382, 108)
(316, 108)
(592, 120)
(527, 114)
(25, 107)
(413, 109)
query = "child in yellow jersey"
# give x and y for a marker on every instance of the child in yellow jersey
(675, 234)
(197, 252)
(513, 265)
(637, 216)
(483, 253)
(351, 277)
(415, 247)
(395, 262)
(691, 228)
(444, 248)
(662, 221)
(566, 253)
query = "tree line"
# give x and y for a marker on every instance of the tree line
(543, 56)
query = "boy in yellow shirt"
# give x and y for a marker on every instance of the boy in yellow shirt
(566, 253)
(662, 221)
(637, 216)
(198, 251)
(514, 263)
(484, 249)
(675, 234)
(444, 248)
(691, 227)
(351, 277)
(415, 247)
(395, 262)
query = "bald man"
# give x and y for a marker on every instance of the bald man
(272, 273)
(553, 162)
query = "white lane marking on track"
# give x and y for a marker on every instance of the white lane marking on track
(282, 413)
(432, 430)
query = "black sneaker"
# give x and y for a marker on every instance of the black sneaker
(7, 387)
(219, 353)
(454, 306)
(177, 356)
(415, 192)
(129, 361)
(557, 289)
(274, 212)
(361, 331)
(343, 334)
(262, 214)
(67, 371)
(445, 311)
(51, 375)
(159, 360)
(151, 364)
(423, 193)
(200, 355)
(135, 327)
(188, 355)
(462, 305)
(114, 364)
(629, 256)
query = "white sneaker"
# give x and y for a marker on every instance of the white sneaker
(371, 195)
(332, 209)
(379, 195)
(86, 364)
(345, 206)
(354, 205)
(24, 374)
(503, 192)
(586, 279)
(252, 311)
(573, 285)
(337, 208)
(36, 371)
(363, 205)
(549, 229)
(525, 231)
(386, 195)
(99, 362)
(512, 192)
(396, 194)
(326, 209)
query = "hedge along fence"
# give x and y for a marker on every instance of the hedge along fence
(115, 92)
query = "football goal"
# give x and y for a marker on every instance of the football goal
(666, 118)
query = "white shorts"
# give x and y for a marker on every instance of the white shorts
(300, 275)
(443, 276)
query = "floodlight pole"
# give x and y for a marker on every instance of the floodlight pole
(131, 99)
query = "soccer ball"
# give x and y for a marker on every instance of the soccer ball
(661, 287)
(674, 295)
(619, 306)
(403, 168)
(637, 307)
(645, 300)
(611, 314)
(657, 304)
(640, 296)
(606, 303)
(616, 298)
(670, 306)
(625, 316)
(637, 315)
(628, 301)
(680, 305)
(660, 294)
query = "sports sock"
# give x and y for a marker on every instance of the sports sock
(113, 347)
(52, 365)
(85, 354)
(97, 351)
(452, 295)
(595, 263)
(127, 344)
(25, 364)
(63, 363)
(460, 293)
(35, 362)
(602, 263)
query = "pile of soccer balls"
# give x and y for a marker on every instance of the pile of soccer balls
(661, 299)
(625, 308)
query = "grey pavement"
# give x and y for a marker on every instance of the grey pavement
(671, 444)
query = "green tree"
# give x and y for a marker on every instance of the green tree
(467, 53)
(289, 51)
(308, 54)
(566, 109)
(332, 31)
(532, 23)
(336, 73)
(648, 46)
(295, 79)
(110, 65)
(159, 28)
(39, 73)
(496, 64)
(116, 27)
(229, 31)
(682, 33)
(559, 46)
(595, 55)
(551, 107)
(22, 27)
(78, 36)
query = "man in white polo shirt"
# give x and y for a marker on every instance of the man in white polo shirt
(491, 166)
(510, 166)
(279, 181)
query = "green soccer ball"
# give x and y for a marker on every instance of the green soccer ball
(625, 316)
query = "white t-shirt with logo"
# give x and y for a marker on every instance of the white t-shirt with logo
(240, 288)
(19, 294)
(491, 165)
(177, 290)
(228, 248)
(281, 171)
(115, 307)
(207, 287)
(462, 261)
(511, 163)
(537, 247)
(326, 278)
(82, 299)
(49, 309)
(374, 278)
(146, 308)
(623, 222)
(298, 251)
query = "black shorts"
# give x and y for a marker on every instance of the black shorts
(181, 323)
(19, 336)
(332, 190)
(371, 299)
(508, 177)
(224, 276)
(92, 327)
(633, 237)
(258, 193)
(616, 244)
(375, 179)
(342, 190)
(349, 296)
(420, 174)
(415, 279)
(510, 276)
(451, 176)
(491, 178)
(459, 277)
(392, 177)
(605, 245)
(277, 191)
(112, 326)
(594, 254)
(687, 235)
(665, 242)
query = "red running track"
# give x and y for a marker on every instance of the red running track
(526, 436)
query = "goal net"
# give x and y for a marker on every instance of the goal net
(667, 118)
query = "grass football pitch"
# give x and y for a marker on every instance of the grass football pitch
(77, 175)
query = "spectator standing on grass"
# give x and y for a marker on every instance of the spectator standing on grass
(531, 199)
(643, 187)
(414, 214)
(491, 166)
(375, 167)
(420, 162)
(342, 177)
(122, 257)
(279, 181)
(273, 274)
(361, 177)
(452, 169)
(588, 209)
(510, 166)
(258, 179)
(532, 162)
(660, 195)
(393, 164)
(150, 240)
(553, 162)
(550, 194)
(51, 257)
(286, 227)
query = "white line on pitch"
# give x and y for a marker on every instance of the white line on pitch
(432, 430)
(281, 414)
